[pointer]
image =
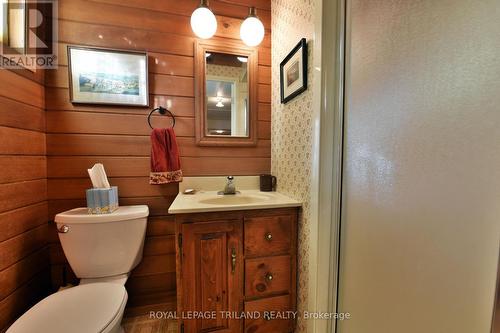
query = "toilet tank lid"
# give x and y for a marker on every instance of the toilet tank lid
(80, 215)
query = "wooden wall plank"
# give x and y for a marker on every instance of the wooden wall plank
(16, 195)
(153, 265)
(18, 168)
(186, 7)
(158, 226)
(265, 111)
(261, 4)
(264, 93)
(160, 84)
(141, 19)
(15, 222)
(264, 74)
(88, 34)
(95, 123)
(264, 56)
(106, 123)
(151, 284)
(170, 64)
(79, 33)
(76, 166)
(107, 145)
(264, 130)
(159, 245)
(128, 187)
(21, 115)
(21, 142)
(16, 248)
(22, 271)
(216, 166)
(22, 90)
(23, 298)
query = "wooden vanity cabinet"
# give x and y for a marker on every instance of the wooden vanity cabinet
(237, 263)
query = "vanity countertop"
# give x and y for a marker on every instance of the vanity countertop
(210, 201)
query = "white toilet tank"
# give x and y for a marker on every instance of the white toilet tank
(103, 245)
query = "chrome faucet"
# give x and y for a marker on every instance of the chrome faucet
(230, 188)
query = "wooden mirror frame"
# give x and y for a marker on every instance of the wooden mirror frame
(237, 49)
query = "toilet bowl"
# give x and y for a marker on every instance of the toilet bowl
(101, 250)
(96, 307)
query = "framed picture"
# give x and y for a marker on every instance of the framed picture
(293, 72)
(107, 76)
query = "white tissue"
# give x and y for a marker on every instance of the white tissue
(98, 176)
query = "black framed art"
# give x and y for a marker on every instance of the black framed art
(293, 72)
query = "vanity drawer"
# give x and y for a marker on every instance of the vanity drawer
(268, 235)
(265, 324)
(266, 276)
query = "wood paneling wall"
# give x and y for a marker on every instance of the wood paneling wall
(80, 135)
(24, 253)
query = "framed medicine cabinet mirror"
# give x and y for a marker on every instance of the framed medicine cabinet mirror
(226, 94)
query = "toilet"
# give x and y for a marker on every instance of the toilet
(102, 250)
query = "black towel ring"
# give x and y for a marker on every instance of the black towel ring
(161, 110)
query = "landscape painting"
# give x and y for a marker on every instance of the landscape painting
(105, 76)
(109, 83)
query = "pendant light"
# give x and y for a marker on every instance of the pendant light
(252, 29)
(203, 21)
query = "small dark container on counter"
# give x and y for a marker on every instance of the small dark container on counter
(267, 183)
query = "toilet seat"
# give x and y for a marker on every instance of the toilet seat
(89, 308)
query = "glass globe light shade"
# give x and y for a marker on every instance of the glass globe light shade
(252, 31)
(203, 22)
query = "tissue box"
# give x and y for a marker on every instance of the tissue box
(102, 200)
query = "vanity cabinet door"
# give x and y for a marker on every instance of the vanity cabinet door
(212, 276)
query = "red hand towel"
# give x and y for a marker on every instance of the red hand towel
(165, 161)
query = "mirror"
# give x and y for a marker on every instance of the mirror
(225, 79)
(226, 94)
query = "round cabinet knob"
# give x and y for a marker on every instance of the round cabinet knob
(269, 237)
(63, 229)
(269, 277)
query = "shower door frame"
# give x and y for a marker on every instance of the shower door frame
(328, 185)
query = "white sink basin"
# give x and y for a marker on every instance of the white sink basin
(235, 199)
(210, 201)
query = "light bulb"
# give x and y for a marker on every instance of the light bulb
(252, 30)
(242, 59)
(203, 21)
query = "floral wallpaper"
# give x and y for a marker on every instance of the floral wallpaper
(226, 71)
(292, 126)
